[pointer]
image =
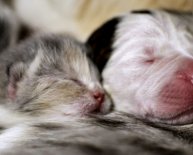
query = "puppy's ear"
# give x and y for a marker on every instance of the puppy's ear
(15, 73)
(100, 43)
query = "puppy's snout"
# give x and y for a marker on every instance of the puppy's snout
(184, 76)
(98, 96)
(185, 73)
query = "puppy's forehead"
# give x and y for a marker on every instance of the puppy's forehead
(135, 26)
(155, 29)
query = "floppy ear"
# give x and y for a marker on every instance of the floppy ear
(15, 73)
(101, 40)
(100, 43)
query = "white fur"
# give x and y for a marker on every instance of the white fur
(132, 84)
(82, 17)
(12, 136)
(16, 130)
(10, 118)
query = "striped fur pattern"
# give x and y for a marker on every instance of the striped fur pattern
(115, 133)
(49, 71)
(49, 107)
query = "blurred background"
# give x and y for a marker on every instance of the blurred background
(81, 17)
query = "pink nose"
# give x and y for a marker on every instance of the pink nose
(98, 96)
(185, 73)
(184, 76)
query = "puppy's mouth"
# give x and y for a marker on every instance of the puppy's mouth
(181, 118)
(172, 115)
(175, 103)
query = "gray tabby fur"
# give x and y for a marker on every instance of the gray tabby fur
(28, 126)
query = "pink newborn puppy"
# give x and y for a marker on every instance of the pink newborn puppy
(146, 60)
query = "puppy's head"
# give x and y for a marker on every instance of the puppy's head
(150, 69)
(52, 74)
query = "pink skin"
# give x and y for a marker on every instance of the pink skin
(99, 97)
(159, 87)
(177, 95)
(95, 106)
(172, 101)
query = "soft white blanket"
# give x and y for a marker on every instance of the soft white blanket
(81, 17)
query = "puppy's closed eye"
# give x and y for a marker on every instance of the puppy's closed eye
(149, 61)
(150, 57)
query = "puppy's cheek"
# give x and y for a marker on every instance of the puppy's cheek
(175, 97)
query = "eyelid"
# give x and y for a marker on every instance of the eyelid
(149, 55)
(150, 61)
(76, 81)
